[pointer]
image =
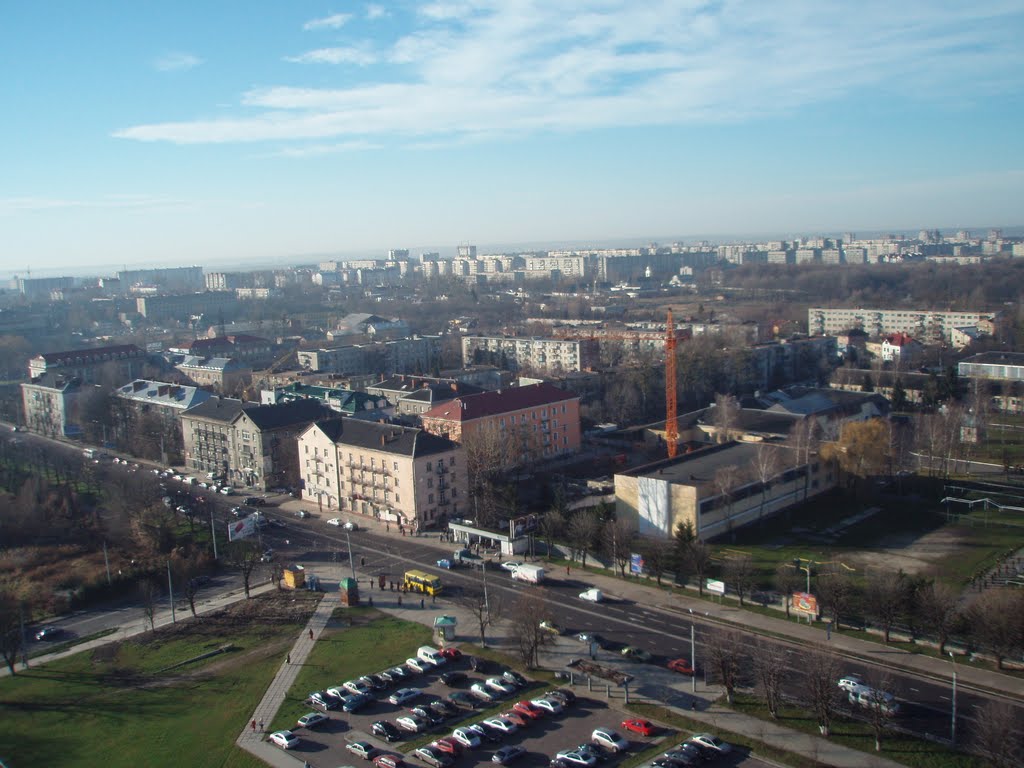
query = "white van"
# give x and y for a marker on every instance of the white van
(430, 655)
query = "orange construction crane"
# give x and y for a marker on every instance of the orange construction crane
(671, 418)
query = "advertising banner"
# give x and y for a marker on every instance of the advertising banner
(805, 602)
(241, 529)
(636, 564)
(715, 587)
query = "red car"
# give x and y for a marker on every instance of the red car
(388, 761)
(527, 709)
(521, 720)
(451, 653)
(635, 724)
(682, 666)
(448, 745)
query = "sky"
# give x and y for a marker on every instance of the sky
(155, 132)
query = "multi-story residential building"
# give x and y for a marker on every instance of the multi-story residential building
(166, 400)
(401, 475)
(42, 288)
(414, 395)
(170, 278)
(220, 373)
(418, 353)
(926, 325)
(899, 348)
(355, 404)
(182, 307)
(96, 365)
(520, 353)
(242, 347)
(245, 443)
(49, 404)
(524, 424)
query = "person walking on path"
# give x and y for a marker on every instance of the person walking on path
(421, 603)
(254, 725)
(399, 601)
(311, 633)
(261, 725)
(288, 659)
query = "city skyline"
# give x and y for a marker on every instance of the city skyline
(187, 134)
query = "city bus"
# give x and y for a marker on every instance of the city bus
(418, 581)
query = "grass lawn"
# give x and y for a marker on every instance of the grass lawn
(358, 641)
(858, 735)
(111, 705)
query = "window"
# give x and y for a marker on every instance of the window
(430, 466)
(396, 482)
(451, 461)
(398, 499)
(430, 482)
(307, 450)
(430, 498)
(395, 466)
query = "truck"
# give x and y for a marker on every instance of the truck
(532, 574)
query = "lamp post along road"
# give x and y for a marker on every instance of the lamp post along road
(952, 721)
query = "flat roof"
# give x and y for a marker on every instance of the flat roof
(699, 467)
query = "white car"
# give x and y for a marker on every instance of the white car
(284, 739)
(402, 695)
(511, 565)
(481, 691)
(312, 720)
(502, 724)
(227, 490)
(350, 526)
(500, 686)
(357, 686)
(592, 595)
(710, 743)
(609, 739)
(466, 738)
(412, 723)
(334, 521)
(850, 683)
(551, 706)
(417, 664)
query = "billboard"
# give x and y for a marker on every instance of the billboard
(520, 526)
(805, 602)
(241, 529)
(715, 587)
(636, 564)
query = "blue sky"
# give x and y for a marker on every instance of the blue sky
(187, 132)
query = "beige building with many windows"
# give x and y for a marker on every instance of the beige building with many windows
(925, 325)
(397, 474)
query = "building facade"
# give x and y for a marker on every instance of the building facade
(116, 363)
(401, 475)
(551, 356)
(926, 325)
(220, 373)
(48, 404)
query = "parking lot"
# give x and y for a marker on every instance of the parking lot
(542, 739)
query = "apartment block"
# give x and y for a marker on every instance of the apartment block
(926, 325)
(537, 355)
(114, 364)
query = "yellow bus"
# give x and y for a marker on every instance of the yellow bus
(418, 581)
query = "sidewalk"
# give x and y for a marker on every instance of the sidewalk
(715, 716)
(648, 594)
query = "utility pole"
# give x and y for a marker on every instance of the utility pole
(213, 531)
(170, 589)
(693, 657)
(351, 559)
(487, 602)
(106, 560)
(952, 722)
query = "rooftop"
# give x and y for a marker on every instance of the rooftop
(390, 438)
(469, 407)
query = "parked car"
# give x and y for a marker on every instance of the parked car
(513, 677)
(254, 501)
(502, 724)
(467, 738)
(511, 565)
(481, 691)
(588, 748)
(453, 678)
(395, 674)
(682, 666)
(324, 701)
(312, 720)
(711, 743)
(385, 729)
(550, 627)
(499, 686)
(48, 633)
(576, 759)
(388, 761)
(445, 708)
(350, 526)
(528, 709)
(334, 521)
(363, 749)
(479, 665)
(434, 757)
(417, 665)
(412, 723)
(357, 701)
(849, 683)
(357, 686)
(430, 715)
(550, 705)
(452, 654)
(639, 725)
(448, 745)
(636, 654)
(609, 739)
(564, 695)
(490, 735)
(506, 755)
(284, 739)
(404, 695)
(373, 682)
(463, 699)
(521, 721)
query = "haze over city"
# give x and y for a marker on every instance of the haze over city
(191, 133)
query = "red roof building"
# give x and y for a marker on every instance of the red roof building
(514, 425)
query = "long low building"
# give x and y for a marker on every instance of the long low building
(718, 489)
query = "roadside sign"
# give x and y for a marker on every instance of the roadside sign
(715, 587)
(636, 564)
(241, 529)
(805, 602)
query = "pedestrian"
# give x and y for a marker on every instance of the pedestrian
(370, 599)
(399, 601)
(311, 633)
(693, 705)
(567, 570)
(387, 527)
(433, 599)
(261, 725)
(254, 725)
(362, 562)
(422, 604)
(288, 659)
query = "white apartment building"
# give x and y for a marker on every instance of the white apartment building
(550, 356)
(926, 325)
(397, 474)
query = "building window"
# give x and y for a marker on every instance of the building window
(430, 498)
(430, 466)
(307, 449)
(395, 466)
(430, 482)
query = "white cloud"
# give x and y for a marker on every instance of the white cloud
(375, 11)
(479, 68)
(319, 150)
(358, 56)
(14, 205)
(176, 62)
(334, 21)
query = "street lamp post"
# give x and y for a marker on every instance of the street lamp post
(952, 722)
(351, 559)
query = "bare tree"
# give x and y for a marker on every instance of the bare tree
(879, 706)
(553, 522)
(938, 605)
(787, 580)
(997, 622)
(836, 590)
(245, 556)
(149, 596)
(698, 556)
(821, 669)
(739, 574)
(996, 734)
(527, 613)
(725, 416)
(725, 659)
(727, 480)
(11, 629)
(886, 599)
(770, 668)
(483, 606)
(766, 466)
(582, 530)
(618, 537)
(657, 557)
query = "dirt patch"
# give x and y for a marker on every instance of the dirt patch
(914, 553)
